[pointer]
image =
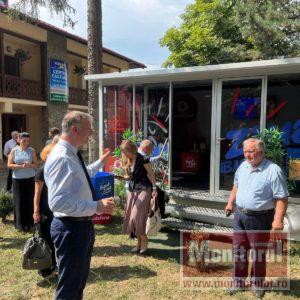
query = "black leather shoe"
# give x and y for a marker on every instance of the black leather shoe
(259, 293)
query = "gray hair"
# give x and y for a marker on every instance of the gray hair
(74, 118)
(259, 143)
(14, 132)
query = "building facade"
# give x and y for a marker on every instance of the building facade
(41, 76)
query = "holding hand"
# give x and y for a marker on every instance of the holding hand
(154, 193)
(36, 217)
(106, 206)
(105, 156)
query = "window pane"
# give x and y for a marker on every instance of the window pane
(283, 111)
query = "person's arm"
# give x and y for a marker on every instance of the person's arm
(7, 149)
(155, 158)
(280, 194)
(97, 165)
(34, 163)
(151, 176)
(231, 199)
(280, 210)
(11, 164)
(36, 200)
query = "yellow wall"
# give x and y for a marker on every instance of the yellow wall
(23, 28)
(31, 69)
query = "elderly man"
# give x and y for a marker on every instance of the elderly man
(73, 201)
(9, 145)
(146, 148)
(260, 197)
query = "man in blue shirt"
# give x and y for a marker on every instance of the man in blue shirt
(259, 199)
(73, 202)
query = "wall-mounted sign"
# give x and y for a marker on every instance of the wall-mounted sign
(59, 90)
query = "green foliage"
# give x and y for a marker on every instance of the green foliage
(22, 55)
(223, 31)
(128, 134)
(28, 11)
(79, 70)
(6, 204)
(120, 191)
(274, 149)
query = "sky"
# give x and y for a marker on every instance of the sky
(130, 27)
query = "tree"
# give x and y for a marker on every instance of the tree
(222, 31)
(95, 48)
(95, 65)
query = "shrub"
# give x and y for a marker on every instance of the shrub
(6, 204)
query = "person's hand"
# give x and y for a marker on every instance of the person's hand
(154, 193)
(26, 165)
(106, 154)
(277, 225)
(36, 217)
(106, 206)
(229, 207)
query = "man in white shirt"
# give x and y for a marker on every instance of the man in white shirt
(9, 145)
(73, 201)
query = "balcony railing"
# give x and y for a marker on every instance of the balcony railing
(78, 96)
(15, 87)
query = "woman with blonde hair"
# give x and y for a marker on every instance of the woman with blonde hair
(141, 187)
(42, 213)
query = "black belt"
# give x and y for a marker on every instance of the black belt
(76, 219)
(250, 212)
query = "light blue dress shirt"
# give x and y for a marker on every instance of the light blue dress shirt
(258, 188)
(20, 157)
(69, 193)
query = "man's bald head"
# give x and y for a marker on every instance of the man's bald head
(147, 147)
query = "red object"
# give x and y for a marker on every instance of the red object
(110, 164)
(102, 219)
(189, 162)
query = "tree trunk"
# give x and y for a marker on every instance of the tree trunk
(95, 66)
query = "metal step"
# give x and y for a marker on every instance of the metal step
(186, 225)
(197, 195)
(200, 214)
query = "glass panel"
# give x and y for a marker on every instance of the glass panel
(158, 126)
(139, 98)
(240, 119)
(117, 114)
(283, 111)
(191, 135)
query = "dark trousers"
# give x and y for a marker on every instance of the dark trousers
(9, 180)
(245, 239)
(45, 234)
(74, 242)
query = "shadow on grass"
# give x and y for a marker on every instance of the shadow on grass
(13, 243)
(115, 227)
(48, 282)
(119, 273)
(111, 250)
(294, 291)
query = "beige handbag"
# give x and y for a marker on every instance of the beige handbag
(153, 224)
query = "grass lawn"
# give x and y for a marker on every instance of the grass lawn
(116, 273)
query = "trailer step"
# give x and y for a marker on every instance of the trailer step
(200, 214)
(187, 225)
(196, 195)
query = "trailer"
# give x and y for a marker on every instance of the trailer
(205, 113)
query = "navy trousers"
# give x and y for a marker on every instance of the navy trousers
(73, 242)
(245, 238)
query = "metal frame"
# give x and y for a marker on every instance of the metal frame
(133, 108)
(101, 116)
(170, 133)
